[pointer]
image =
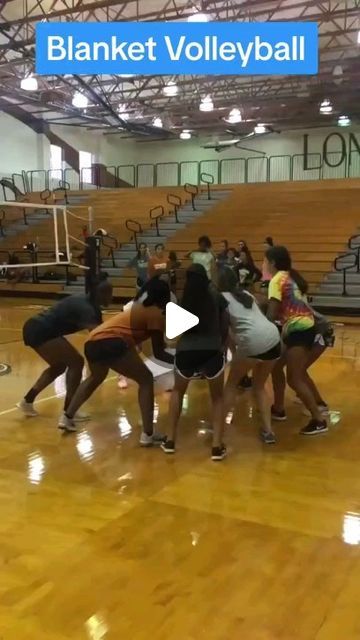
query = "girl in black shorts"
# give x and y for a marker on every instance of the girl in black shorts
(200, 353)
(287, 304)
(45, 334)
(257, 346)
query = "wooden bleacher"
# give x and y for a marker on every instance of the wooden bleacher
(313, 219)
(111, 210)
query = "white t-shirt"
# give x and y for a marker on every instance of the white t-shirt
(253, 333)
(205, 258)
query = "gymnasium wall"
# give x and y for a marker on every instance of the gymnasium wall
(81, 139)
(117, 151)
(21, 147)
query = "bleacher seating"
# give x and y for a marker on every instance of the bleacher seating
(313, 219)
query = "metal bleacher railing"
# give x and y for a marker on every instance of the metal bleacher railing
(222, 171)
(348, 262)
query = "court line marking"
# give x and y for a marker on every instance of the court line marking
(7, 411)
(4, 413)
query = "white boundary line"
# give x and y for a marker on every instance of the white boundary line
(4, 413)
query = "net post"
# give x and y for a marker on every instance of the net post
(56, 234)
(91, 220)
(92, 261)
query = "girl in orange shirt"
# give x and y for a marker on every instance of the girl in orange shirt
(112, 345)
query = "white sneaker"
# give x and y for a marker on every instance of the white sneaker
(81, 417)
(156, 439)
(122, 383)
(27, 408)
(66, 424)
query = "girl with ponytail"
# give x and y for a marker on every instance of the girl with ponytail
(288, 304)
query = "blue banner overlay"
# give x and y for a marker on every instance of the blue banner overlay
(173, 48)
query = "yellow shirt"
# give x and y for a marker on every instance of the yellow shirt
(295, 314)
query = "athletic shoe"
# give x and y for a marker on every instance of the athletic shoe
(66, 424)
(156, 439)
(27, 408)
(168, 446)
(268, 437)
(245, 383)
(314, 428)
(218, 453)
(323, 408)
(81, 417)
(280, 416)
(122, 383)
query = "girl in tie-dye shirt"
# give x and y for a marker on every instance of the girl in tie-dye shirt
(287, 304)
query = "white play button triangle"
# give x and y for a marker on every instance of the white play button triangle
(178, 320)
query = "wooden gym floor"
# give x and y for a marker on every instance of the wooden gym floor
(101, 540)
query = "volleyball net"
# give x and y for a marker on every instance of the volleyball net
(47, 239)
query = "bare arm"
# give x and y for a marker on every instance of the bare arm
(224, 326)
(158, 347)
(273, 310)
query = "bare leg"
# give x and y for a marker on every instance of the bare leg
(261, 372)
(216, 387)
(98, 373)
(73, 378)
(129, 365)
(297, 358)
(279, 384)
(132, 366)
(60, 355)
(316, 351)
(238, 369)
(175, 405)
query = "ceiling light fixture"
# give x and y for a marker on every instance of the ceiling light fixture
(185, 135)
(259, 128)
(29, 84)
(79, 100)
(127, 75)
(358, 37)
(199, 17)
(234, 116)
(206, 104)
(326, 107)
(344, 121)
(338, 74)
(158, 123)
(122, 111)
(171, 89)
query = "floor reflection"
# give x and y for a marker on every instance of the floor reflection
(351, 528)
(96, 627)
(85, 446)
(36, 468)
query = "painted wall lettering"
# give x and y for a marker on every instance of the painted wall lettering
(354, 146)
(328, 156)
(346, 148)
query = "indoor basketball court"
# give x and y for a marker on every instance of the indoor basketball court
(179, 337)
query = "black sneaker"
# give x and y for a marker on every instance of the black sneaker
(245, 383)
(218, 453)
(314, 428)
(268, 437)
(168, 446)
(280, 416)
